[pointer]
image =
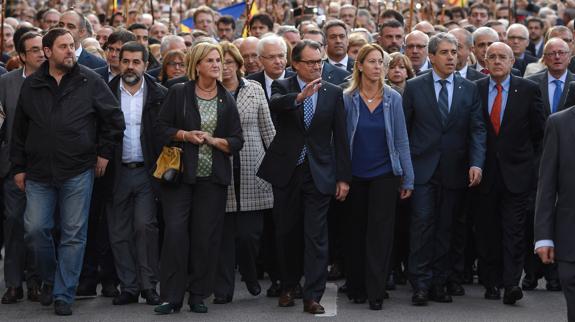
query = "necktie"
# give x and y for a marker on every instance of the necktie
(556, 95)
(443, 101)
(496, 110)
(307, 116)
(485, 71)
(340, 65)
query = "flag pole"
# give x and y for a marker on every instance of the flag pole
(152, 11)
(248, 16)
(3, 16)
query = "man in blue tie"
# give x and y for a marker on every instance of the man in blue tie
(307, 163)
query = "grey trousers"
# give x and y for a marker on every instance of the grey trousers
(133, 229)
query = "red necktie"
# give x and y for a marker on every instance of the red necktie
(496, 110)
(485, 71)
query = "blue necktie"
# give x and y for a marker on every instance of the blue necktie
(556, 95)
(307, 116)
(443, 101)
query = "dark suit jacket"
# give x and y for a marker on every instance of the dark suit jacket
(518, 144)
(452, 148)
(472, 74)
(90, 60)
(326, 138)
(334, 75)
(521, 64)
(514, 71)
(261, 78)
(102, 71)
(555, 205)
(533, 51)
(567, 97)
(349, 67)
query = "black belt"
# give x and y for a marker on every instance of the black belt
(133, 165)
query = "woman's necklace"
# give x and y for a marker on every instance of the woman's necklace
(206, 91)
(370, 100)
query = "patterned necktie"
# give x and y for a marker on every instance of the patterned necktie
(307, 116)
(557, 95)
(496, 109)
(443, 101)
(340, 65)
(485, 71)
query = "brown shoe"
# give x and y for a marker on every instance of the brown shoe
(34, 294)
(12, 295)
(286, 299)
(313, 307)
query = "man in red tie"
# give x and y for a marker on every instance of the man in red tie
(513, 109)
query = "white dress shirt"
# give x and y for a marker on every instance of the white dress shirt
(78, 52)
(132, 106)
(269, 82)
(343, 62)
(463, 71)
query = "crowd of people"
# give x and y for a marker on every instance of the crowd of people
(319, 141)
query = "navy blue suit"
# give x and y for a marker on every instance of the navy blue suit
(90, 60)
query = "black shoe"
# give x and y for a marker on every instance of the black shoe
(46, 296)
(359, 300)
(254, 288)
(151, 296)
(455, 289)
(400, 278)
(420, 298)
(198, 308)
(438, 294)
(62, 308)
(375, 305)
(110, 290)
(222, 299)
(86, 289)
(125, 298)
(385, 295)
(342, 289)
(529, 283)
(512, 294)
(553, 286)
(13, 295)
(274, 290)
(390, 283)
(468, 277)
(335, 273)
(167, 308)
(33, 294)
(492, 293)
(298, 292)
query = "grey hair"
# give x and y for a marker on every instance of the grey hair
(365, 31)
(271, 40)
(285, 29)
(417, 33)
(521, 27)
(167, 41)
(439, 38)
(466, 33)
(485, 31)
(543, 12)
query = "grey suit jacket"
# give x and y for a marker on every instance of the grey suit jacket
(568, 91)
(555, 201)
(10, 84)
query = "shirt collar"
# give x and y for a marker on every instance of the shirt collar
(24, 72)
(79, 51)
(551, 78)
(270, 80)
(140, 90)
(505, 84)
(436, 77)
(343, 61)
(301, 82)
(463, 71)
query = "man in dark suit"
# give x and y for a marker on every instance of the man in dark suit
(513, 109)
(536, 28)
(554, 217)
(336, 34)
(76, 24)
(447, 142)
(518, 39)
(112, 47)
(307, 163)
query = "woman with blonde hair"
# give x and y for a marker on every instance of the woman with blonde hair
(201, 116)
(381, 165)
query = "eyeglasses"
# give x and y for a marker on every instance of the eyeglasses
(518, 38)
(274, 57)
(556, 53)
(34, 50)
(175, 64)
(312, 63)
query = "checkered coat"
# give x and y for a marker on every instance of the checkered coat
(258, 130)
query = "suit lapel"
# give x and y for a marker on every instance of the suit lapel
(321, 97)
(484, 89)
(544, 87)
(568, 79)
(294, 84)
(511, 97)
(430, 84)
(453, 109)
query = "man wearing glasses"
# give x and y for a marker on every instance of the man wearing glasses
(112, 47)
(518, 40)
(416, 50)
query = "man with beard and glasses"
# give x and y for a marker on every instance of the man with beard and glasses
(133, 225)
(66, 127)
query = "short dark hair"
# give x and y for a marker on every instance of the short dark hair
(18, 34)
(390, 13)
(316, 31)
(493, 23)
(334, 23)
(458, 10)
(228, 20)
(134, 46)
(122, 35)
(300, 46)
(264, 19)
(390, 24)
(136, 26)
(21, 45)
(479, 6)
(50, 37)
(530, 19)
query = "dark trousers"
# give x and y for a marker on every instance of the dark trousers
(194, 219)
(433, 210)
(567, 279)
(369, 240)
(98, 265)
(400, 253)
(133, 230)
(300, 215)
(335, 220)
(500, 229)
(240, 244)
(458, 242)
(19, 260)
(269, 248)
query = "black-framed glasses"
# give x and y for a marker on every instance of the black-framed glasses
(559, 53)
(176, 64)
(312, 63)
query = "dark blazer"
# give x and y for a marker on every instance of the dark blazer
(103, 72)
(514, 71)
(521, 63)
(472, 74)
(567, 97)
(455, 147)
(182, 97)
(533, 51)
(175, 81)
(90, 60)
(349, 67)
(518, 144)
(261, 78)
(326, 138)
(555, 205)
(334, 75)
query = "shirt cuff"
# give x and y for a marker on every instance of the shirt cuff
(544, 243)
(478, 168)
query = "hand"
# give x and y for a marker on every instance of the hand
(20, 180)
(101, 165)
(474, 176)
(341, 190)
(208, 139)
(404, 194)
(547, 254)
(195, 137)
(310, 89)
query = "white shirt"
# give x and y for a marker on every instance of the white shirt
(78, 51)
(132, 106)
(478, 67)
(269, 82)
(111, 75)
(539, 47)
(551, 87)
(343, 62)
(463, 71)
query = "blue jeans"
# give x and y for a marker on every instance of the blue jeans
(60, 268)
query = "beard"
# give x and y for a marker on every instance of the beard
(131, 78)
(66, 65)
